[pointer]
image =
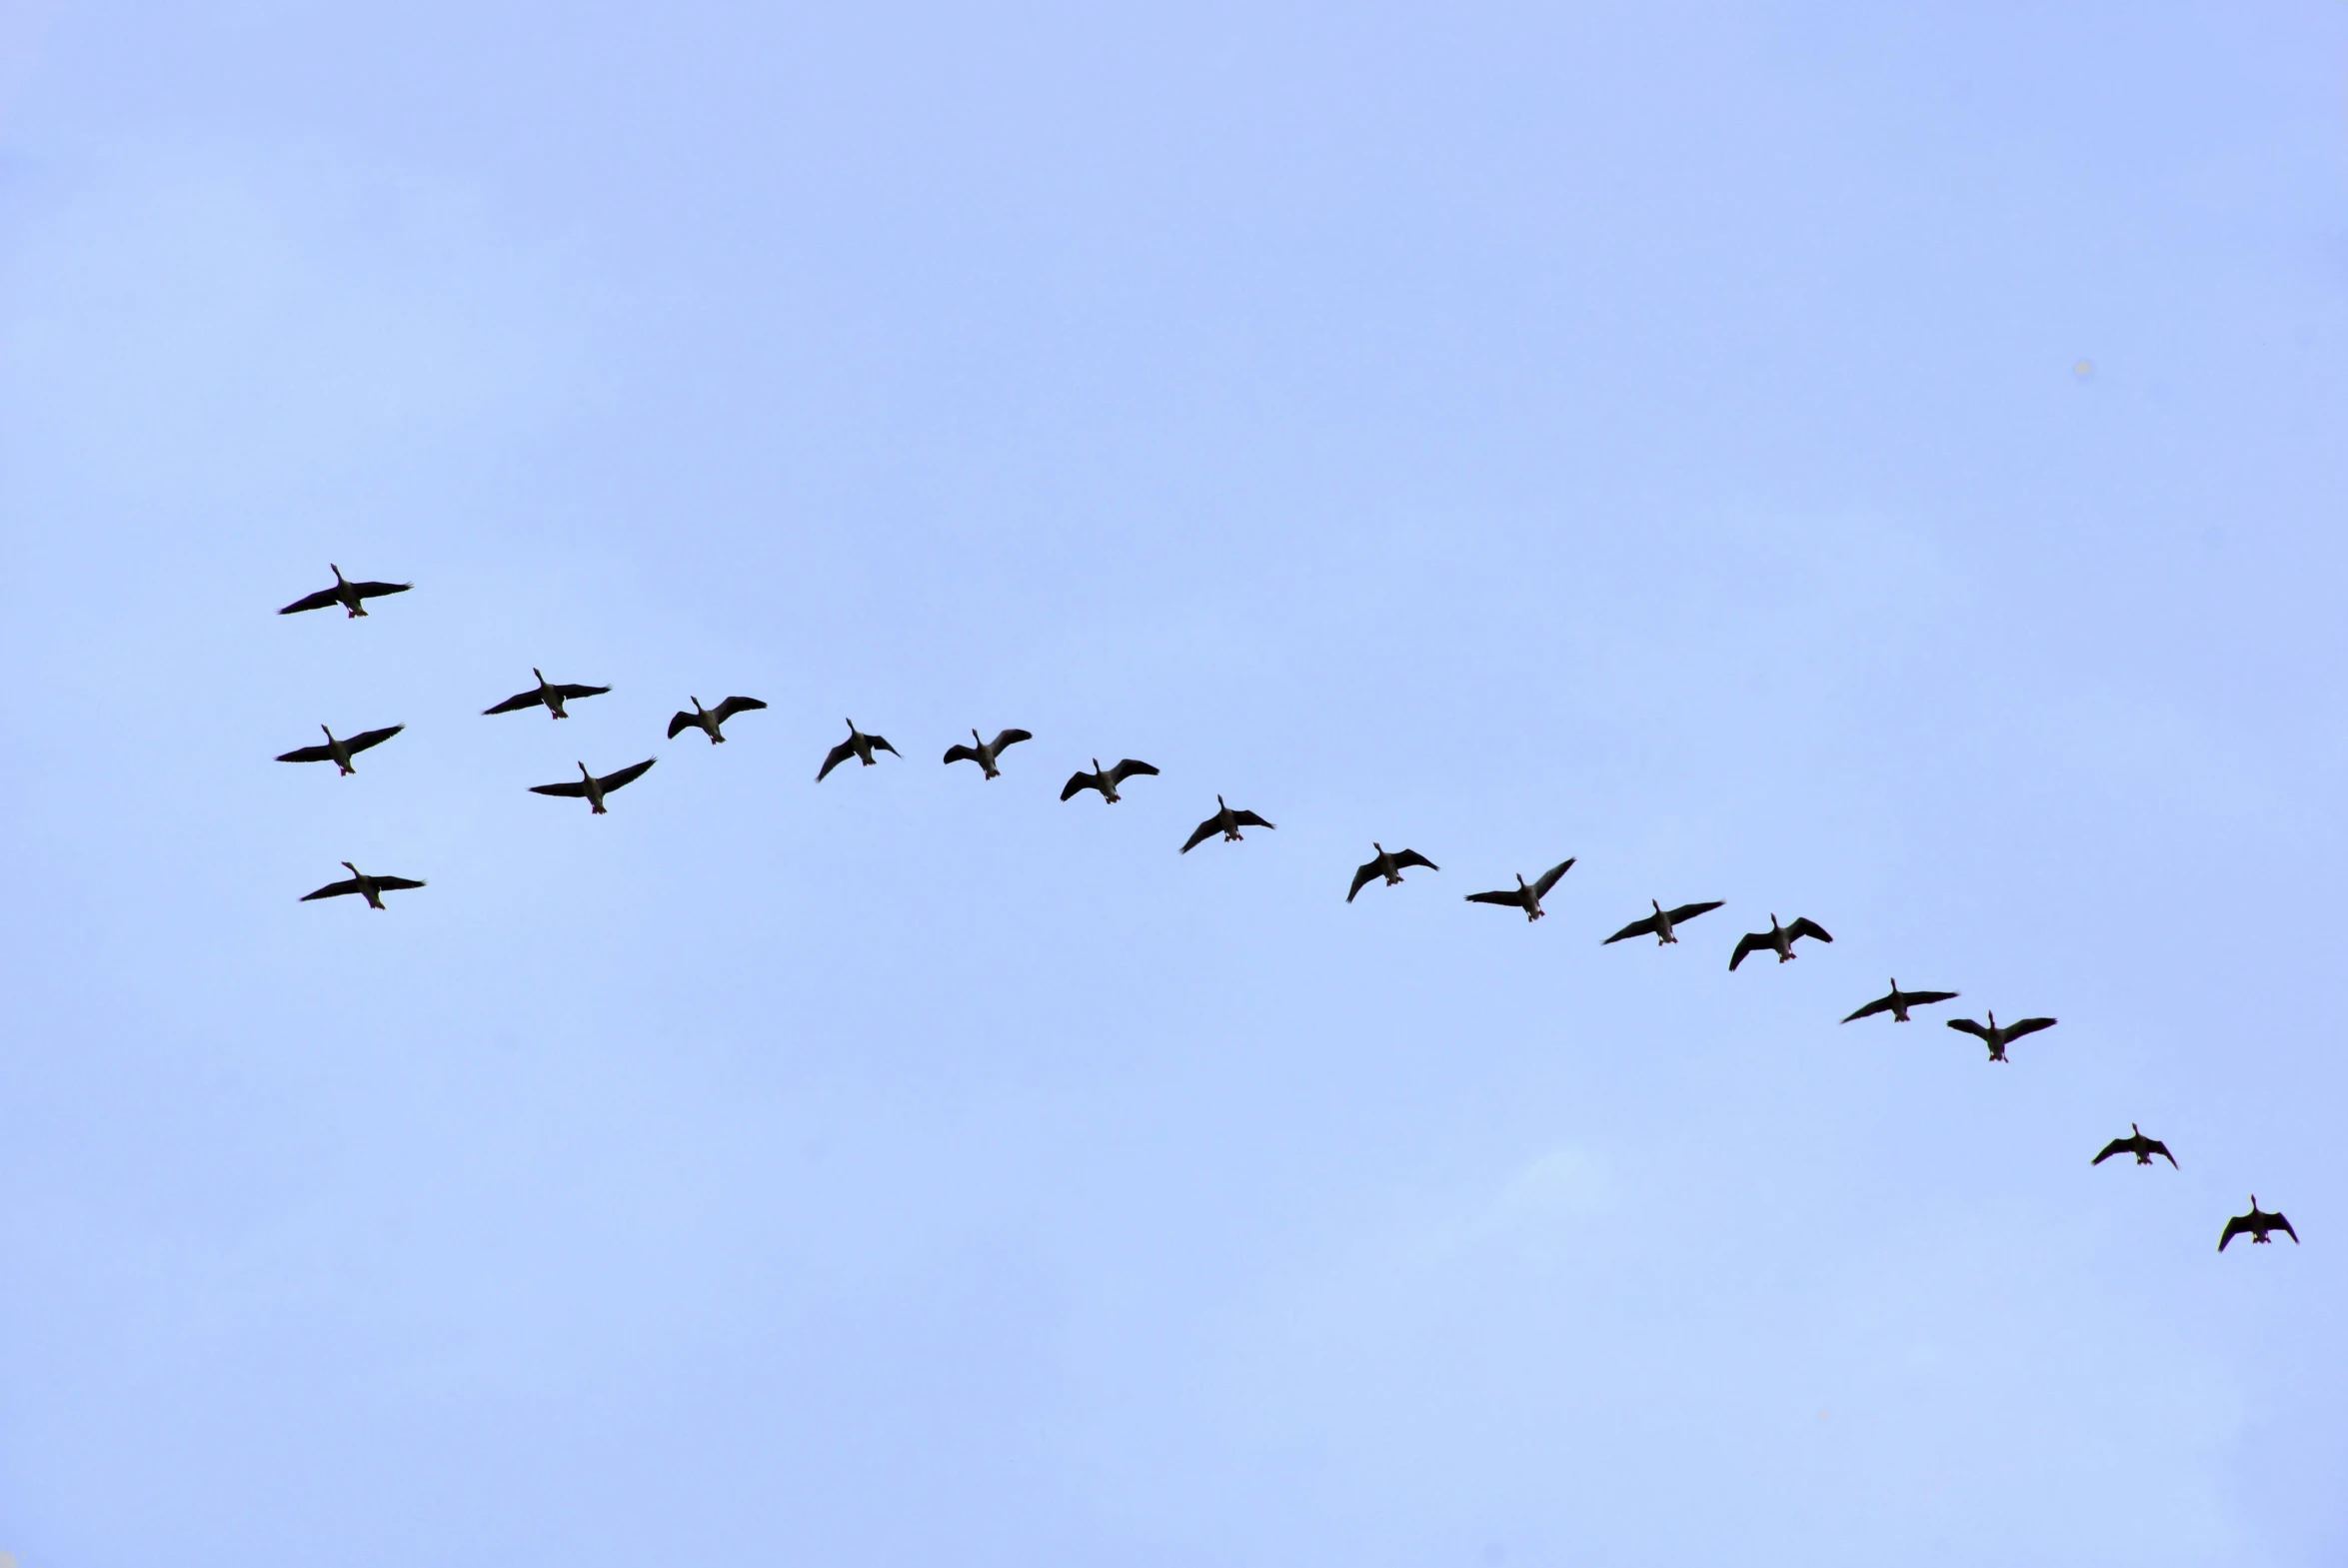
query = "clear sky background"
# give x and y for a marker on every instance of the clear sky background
(1883, 463)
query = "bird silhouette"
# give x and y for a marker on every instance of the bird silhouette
(346, 593)
(1526, 895)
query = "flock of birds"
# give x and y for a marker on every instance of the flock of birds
(1663, 925)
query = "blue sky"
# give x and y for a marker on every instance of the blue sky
(1878, 468)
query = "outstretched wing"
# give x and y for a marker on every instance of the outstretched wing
(880, 743)
(1879, 1005)
(2014, 1031)
(625, 776)
(1969, 1027)
(2156, 1147)
(2115, 1146)
(1506, 896)
(309, 753)
(1688, 911)
(1805, 927)
(370, 737)
(575, 790)
(736, 704)
(1749, 943)
(680, 722)
(961, 753)
(1004, 738)
(1079, 780)
(397, 881)
(1926, 998)
(1540, 889)
(1642, 928)
(1413, 858)
(1250, 819)
(2284, 1226)
(572, 693)
(1362, 878)
(1127, 768)
(517, 702)
(834, 757)
(2238, 1225)
(317, 600)
(377, 591)
(332, 890)
(1204, 830)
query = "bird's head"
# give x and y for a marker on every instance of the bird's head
(329, 734)
(2134, 1131)
(338, 573)
(354, 871)
(1773, 926)
(534, 669)
(1521, 883)
(582, 773)
(974, 736)
(1219, 801)
(1096, 765)
(1658, 904)
(1992, 1016)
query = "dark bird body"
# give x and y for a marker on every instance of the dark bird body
(1105, 779)
(1661, 924)
(1999, 1037)
(707, 719)
(546, 692)
(1526, 895)
(1388, 865)
(1226, 821)
(986, 753)
(592, 789)
(1897, 1003)
(1777, 938)
(341, 752)
(371, 889)
(346, 593)
(859, 745)
(2142, 1148)
(2256, 1224)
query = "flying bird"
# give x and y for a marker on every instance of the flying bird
(1524, 896)
(986, 753)
(1104, 779)
(707, 719)
(1661, 923)
(593, 789)
(1226, 821)
(1388, 865)
(553, 696)
(341, 752)
(372, 888)
(1997, 1038)
(1897, 1003)
(346, 593)
(1778, 938)
(859, 745)
(2143, 1149)
(2256, 1223)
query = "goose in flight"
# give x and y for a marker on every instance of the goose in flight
(372, 888)
(1104, 779)
(341, 752)
(1997, 1038)
(553, 696)
(1661, 923)
(2143, 1149)
(1524, 897)
(985, 752)
(593, 789)
(346, 593)
(1388, 865)
(707, 719)
(1897, 1003)
(1226, 821)
(1777, 938)
(2256, 1224)
(859, 745)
